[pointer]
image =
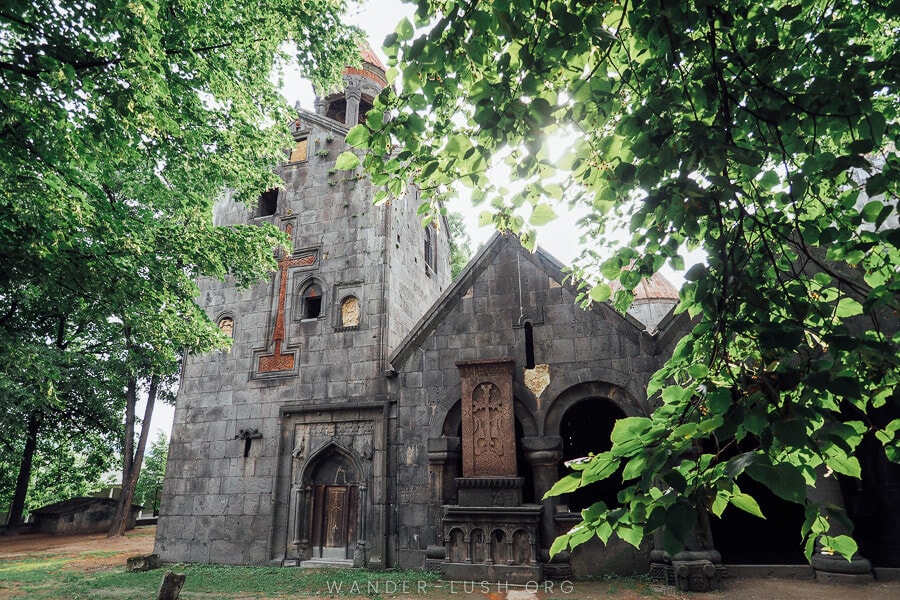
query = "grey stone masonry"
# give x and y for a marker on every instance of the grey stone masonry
(594, 355)
(227, 495)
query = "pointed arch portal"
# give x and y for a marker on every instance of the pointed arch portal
(334, 480)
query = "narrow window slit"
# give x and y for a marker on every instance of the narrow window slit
(529, 345)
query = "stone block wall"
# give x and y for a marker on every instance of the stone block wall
(588, 353)
(226, 493)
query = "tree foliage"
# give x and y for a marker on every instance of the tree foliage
(121, 124)
(149, 485)
(762, 134)
(460, 243)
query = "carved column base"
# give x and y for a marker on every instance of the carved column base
(434, 558)
(688, 571)
(835, 568)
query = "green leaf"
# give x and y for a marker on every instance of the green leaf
(629, 428)
(845, 465)
(698, 371)
(600, 292)
(541, 215)
(559, 545)
(841, 544)
(632, 534)
(747, 503)
(358, 136)
(346, 161)
(404, 30)
(567, 484)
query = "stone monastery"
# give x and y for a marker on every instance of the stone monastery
(371, 413)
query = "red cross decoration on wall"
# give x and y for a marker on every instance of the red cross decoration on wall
(280, 360)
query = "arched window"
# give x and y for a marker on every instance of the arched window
(226, 324)
(312, 301)
(529, 345)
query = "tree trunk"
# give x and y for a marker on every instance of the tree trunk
(131, 468)
(17, 507)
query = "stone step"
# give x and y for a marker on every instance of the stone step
(326, 563)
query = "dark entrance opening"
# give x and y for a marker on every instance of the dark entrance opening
(745, 539)
(585, 429)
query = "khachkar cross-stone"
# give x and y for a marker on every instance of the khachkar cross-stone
(488, 425)
(280, 360)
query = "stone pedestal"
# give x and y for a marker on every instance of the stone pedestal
(488, 543)
(489, 535)
(698, 568)
(489, 491)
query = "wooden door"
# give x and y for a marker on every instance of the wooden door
(334, 516)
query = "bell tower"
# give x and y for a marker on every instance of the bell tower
(361, 84)
(307, 369)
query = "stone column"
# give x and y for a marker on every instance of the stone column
(834, 567)
(353, 95)
(697, 568)
(443, 460)
(544, 455)
(443, 457)
(320, 106)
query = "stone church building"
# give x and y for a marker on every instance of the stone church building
(371, 413)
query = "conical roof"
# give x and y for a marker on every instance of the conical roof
(372, 68)
(369, 56)
(657, 287)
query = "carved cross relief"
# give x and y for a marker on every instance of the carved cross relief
(488, 422)
(280, 360)
(487, 417)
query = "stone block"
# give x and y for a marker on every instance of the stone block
(198, 551)
(226, 552)
(146, 562)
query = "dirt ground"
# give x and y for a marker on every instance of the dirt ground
(116, 551)
(140, 541)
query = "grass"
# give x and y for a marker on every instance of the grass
(46, 577)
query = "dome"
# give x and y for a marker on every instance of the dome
(654, 298)
(361, 84)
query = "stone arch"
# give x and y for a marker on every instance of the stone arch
(521, 547)
(582, 417)
(478, 545)
(457, 543)
(225, 322)
(499, 547)
(309, 299)
(620, 387)
(319, 455)
(572, 395)
(332, 512)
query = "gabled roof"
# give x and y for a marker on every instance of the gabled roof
(476, 266)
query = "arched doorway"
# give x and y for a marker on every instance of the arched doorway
(334, 482)
(585, 428)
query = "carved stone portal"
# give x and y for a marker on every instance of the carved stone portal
(488, 428)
